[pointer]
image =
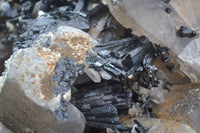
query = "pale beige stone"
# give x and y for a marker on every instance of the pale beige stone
(160, 126)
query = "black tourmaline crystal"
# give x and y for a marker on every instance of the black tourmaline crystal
(123, 57)
(66, 73)
(168, 10)
(102, 102)
(185, 32)
(166, 1)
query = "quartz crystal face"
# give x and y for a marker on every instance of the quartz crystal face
(148, 17)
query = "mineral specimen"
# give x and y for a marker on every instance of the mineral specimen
(122, 57)
(101, 103)
(146, 17)
(29, 30)
(185, 32)
(27, 87)
(158, 126)
(42, 74)
(183, 101)
(168, 10)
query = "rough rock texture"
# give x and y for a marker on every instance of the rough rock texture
(70, 42)
(3, 129)
(29, 30)
(182, 104)
(148, 17)
(27, 88)
(161, 126)
(32, 70)
(27, 93)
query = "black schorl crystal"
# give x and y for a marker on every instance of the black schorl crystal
(127, 62)
(102, 102)
(165, 59)
(122, 57)
(66, 73)
(168, 10)
(170, 67)
(61, 112)
(139, 128)
(29, 29)
(100, 7)
(167, 85)
(5, 52)
(166, 1)
(127, 56)
(144, 40)
(185, 32)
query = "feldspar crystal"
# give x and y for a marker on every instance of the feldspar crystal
(31, 69)
(70, 42)
(27, 96)
(148, 17)
(36, 86)
(182, 104)
(159, 126)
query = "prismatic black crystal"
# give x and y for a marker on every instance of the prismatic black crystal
(166, 1)
(139, 128)
(185, 32)
(102, 102)
(168, 10)
(122, 57)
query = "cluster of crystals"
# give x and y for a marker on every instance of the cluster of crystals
(103, 99)
(66, 72)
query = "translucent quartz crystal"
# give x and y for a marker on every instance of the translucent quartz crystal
(148, 17)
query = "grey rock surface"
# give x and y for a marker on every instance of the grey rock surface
(3, 129)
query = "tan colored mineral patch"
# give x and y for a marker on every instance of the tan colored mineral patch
(182, 104)
(75, 47)
(70, 42)
(160, 126)
(32, 69)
